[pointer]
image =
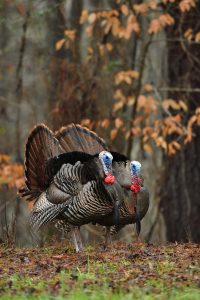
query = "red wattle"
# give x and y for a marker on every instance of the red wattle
(135, 188)
(109, 179)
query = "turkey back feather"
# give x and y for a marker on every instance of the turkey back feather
(40, 147)
(55, 163)
(77, 138)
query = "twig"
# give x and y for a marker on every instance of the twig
(137, 93)
(176, 89)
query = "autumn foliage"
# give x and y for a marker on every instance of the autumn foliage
(11, 174)
(139, 108)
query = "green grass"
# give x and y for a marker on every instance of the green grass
(27, 289)
(137, 272)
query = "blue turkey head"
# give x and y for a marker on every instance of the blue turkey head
(106, 159)
(135, 168)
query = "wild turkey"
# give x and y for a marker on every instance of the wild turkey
(75, 186)
(132, 210)
(134, 206)
(75, 137)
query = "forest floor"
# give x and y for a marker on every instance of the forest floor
(125, 271)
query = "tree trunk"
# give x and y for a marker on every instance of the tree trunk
(181, 187)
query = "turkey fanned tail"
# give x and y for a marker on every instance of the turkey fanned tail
(41, 146)
(77, 138)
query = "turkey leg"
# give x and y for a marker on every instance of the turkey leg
(108, 237)
(74, 239)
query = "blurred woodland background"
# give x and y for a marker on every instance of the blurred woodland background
(129, 70)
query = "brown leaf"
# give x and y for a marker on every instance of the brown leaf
(188, 34)
(153, 4)
(109, 46)
(192, 120)
(71, 34)
(89, 30)
(197, 37)
(166, 104)
(176, 145)
(59, 257)
(148, 87)
(141, 8)
(59, 44)
(115, 26)
(154, 26)
(113, 134)
(92, 18)
(105, 123)
(118, 105)
(124, 9)
(148, 148)
(183, 105)
(84, 16)
(166, 19)
(86, 122)
(186, 5)
(21, 9)
(118, 123)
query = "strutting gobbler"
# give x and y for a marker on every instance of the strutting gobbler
(75, 186)
(135, 196)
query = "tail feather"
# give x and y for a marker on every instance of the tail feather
(77, 138)
(30, 195)
(40, 147)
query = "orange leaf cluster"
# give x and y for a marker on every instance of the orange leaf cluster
(69, 38)
(84, 16)
(147, 103)
(141, 8)
(70, 34)
(157, 25)
(173, 147)
(193, 119)
(119, 96)
(11, 174)
(186, 5)
(110, 22)
(104, 123)
(105, 47)
(126, 76)
(171, 125)
(94, 16)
